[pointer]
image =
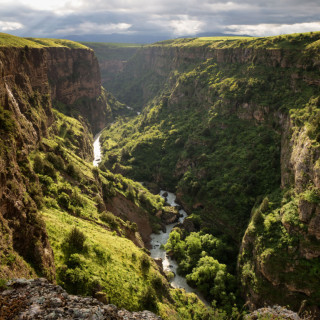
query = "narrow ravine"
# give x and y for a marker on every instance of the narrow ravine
(158, 239)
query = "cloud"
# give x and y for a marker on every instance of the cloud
(94, 28)
(185, 26)
(10, 26)
(273, 29)
(169, 18)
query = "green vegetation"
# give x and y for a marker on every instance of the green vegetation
(198, 256)
(213, 119)
(288, 41)
(210, 129)
(7, 40)
(91, 251)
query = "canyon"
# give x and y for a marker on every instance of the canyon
(231, 126)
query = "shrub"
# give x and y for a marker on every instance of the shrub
(49, 170)
(3, 283)
(72, 171)
(75, 240)
(110, 219)
(145, 263)
(149, 299)
(64, 200)
(55, 160)
(7, 122)
(38, 164)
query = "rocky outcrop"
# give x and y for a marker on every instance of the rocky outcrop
(38, 299)
(26, 105)
(74, 78)
(275, 312)
(278, 266)
(127, 210)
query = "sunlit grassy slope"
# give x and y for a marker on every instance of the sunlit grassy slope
(7, 40)
(292, 41)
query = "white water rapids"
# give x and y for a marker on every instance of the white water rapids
(96, 149)
(158, 239)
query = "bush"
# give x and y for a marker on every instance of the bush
(149, 299)
(72, 171)
(55, 160)
(49, 170)
(75, 240)
(7, 122)
(64, 200)
(38, 164)
(3, 284)
(110, 219)
(145, 263)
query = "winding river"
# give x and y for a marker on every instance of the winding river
(158, 239)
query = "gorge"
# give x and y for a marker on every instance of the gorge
(231, 126)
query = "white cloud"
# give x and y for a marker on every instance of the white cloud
(185, 25)
(51, 5)
(220, 7)
(269, 29)
(9, 26)
(92, 27)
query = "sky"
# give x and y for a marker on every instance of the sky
(165, 18)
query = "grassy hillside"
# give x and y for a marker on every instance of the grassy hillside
(7, 40)
(75, 195)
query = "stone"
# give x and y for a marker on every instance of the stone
(43, 300)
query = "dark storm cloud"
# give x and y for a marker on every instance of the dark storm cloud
(167, 17)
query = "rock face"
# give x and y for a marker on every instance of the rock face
(32, 80)
(286, 267)
(38, 299)
(127, 210)
(74, 78)
(275, 312)
(24, 88)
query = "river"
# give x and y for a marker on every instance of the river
(96, 149)
(158, 239)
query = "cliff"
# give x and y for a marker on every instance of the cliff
(234, 126)
(74, 78)
(154, 67)
(31, 77)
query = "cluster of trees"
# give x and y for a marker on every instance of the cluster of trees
(198, 257)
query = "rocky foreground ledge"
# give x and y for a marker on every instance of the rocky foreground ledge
(39, 299)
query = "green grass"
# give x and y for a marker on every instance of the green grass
(118, 266)
(288, 41)
(7, 40)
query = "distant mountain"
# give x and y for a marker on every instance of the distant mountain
(121, 38)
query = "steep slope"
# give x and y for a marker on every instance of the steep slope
(228, 122)
(112, 58)
(27, 69)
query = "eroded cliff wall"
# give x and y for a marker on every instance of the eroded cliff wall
(30, 79)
